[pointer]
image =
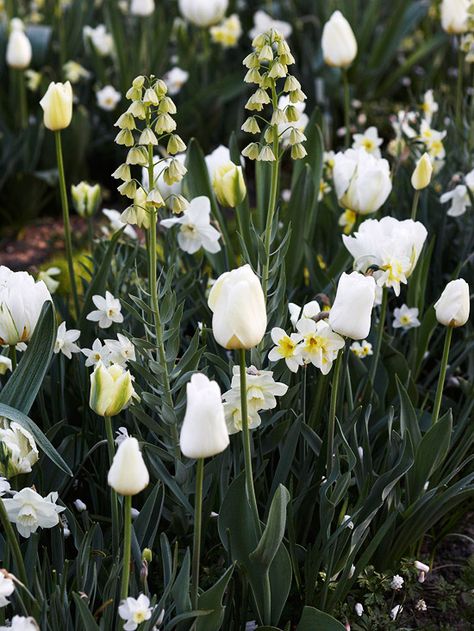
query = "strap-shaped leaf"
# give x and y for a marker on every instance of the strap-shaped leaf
(315, 620)
(274, 531)
(211, 600)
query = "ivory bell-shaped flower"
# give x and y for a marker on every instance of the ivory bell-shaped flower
(19, 50)
(204, 431)
(454, 16)
(128, 474)
(57, 106)
(21, 301)
(453, 306)
(421, 176)
(203, 12)
(338, 42)
(238, 305)
(229, 185)
(351, 313)
(111, 389)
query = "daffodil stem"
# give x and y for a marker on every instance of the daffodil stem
(347, 105)
(67, 226)
(459, 87)
(414, 207)
(12, 353)
(442, 375)
(113, 494)
(378, 341)
(246, 442)
(332, 413)
(197, 532)
(13, 543)
(127, 545)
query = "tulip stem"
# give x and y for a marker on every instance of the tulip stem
(442, 375)
(378, 341)
(347, 112)
(13, 543)
(12, 353)
(459, 86)
(127, 545)
(332, 413)
(23, 109)
(414, 207)
(197, 532)
(113, 497)
(246, 441)
(67, 226)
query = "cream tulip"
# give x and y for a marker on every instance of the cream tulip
(128, 474)
(204, 431)
(454, 16)
(142, 8)
(111, 389)
(421, 176)
(229, 185)
(203, 12)
(351, 313)
(57, 106)
(19, 50)
(238, 306)
(453, 306)
(338, 42)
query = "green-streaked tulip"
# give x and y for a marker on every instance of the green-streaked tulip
(111, 389)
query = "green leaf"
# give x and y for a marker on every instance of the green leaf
(315, 620)
(87, 619)
(274, 531)
(408, 418)
(211, 600)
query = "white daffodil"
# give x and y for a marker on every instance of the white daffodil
(196, 231)
(116, 223)
(108, 98)
(429, 106)
(17, 449)
(320, 344)
(460, 196)
(4, 486)
(108, 310)
(98, 353)
(5, 364)
(65, 341)
(175, 79)
(233, 413)
(101, 40)
(405, 318)
(433, 140)
(286, 347)
(120, 350)
(262, 22)
(48, 278)
(7, 587)
(135, 611)
(310, 310)
(74, 72)
(368, 140)
(362, 349)
(29, 511)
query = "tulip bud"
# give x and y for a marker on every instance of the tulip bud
(142, 8)
(239, 312)
(351, 313)
(454, 16)
(86, 198)
(421, 176)
(338, 42)
(229, 185)
(111, 389)
(453, 306)
(204, 431)
(57, 106)
(19, 50)
(128, 474)
(203, 12)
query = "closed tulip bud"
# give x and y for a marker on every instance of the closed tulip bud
(57, 106)
(128, 474)
(238, 306)
(351, 313)
(111, 389)
(421, 176)
(453, 306)
(338, 42)
(19, 50)
(204, 431)
(229, 185)
(454, 16)
(203, 12)
(85, 198)
(142, 8)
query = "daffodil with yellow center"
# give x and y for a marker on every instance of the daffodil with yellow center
(286, 348)
(320, 344)
(347, 220)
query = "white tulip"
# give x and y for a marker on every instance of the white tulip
(29, 511)
(19, 50)
(239, 312)
(361, 180)
(454, 16)
(351, 313)
(142, 8)
(338, 42)
(128, 474)
(203, 12)
(57, 106)
(204, 432)
(19, 449)
(453, 306)
(21, 300)
(111, 389)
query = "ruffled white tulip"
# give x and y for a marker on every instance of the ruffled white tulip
(111, 389)
(203, 12)
(21, 300)
(238, 306)
(351, 312)
(338, 42)
(19, 449)
(453, 306)
(142, 8)
(204, 432)
(19, 50)
(361, 180)
(454, 16)
(421, 176)
(57, 106)
(128, 474)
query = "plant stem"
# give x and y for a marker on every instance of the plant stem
(13, 543)
(12, 353)
(67, 226)
(113, 494)
(378, 341)
(442, 375)
(414, 207)
(347, 104)
(127, 545)
(197, 532)
(246, 441)
(459, 87)
(332, 413)
(23, 109)
(90, 232)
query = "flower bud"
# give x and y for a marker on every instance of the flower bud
(57, 106)
(454, 16)
(111, 389)
(147, 555)
(142, 8)
(19, 50)
(85, 198)
(239, 312)
(351, 313)
(128, 474)
(421, 176)
(453, 306)
(229, 185)
(203, 12)
(338, 42)
(204, 431)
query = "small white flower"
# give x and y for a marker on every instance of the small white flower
(121, 350)
(175, 79)
(121, 435)
(397, 582)
(359, 609)
(395, 611)
(262, 22)
(346, 520)
(285, 348)
(79, 505)
(19, 447)
(117, 224)
(108, 98)
(362, 349)
(108, 310)
(369, 140)
(7, 587)
(47, 276)
(65, 341)
(21, 623)
(429, 106)
(405, 318)
(421, 605)
(196, 231)
(29, 511)
(310, 310)
(101, 40)
(5, 364)
(135, 611)
(4, 486)
(98, 353)
(459, 196)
